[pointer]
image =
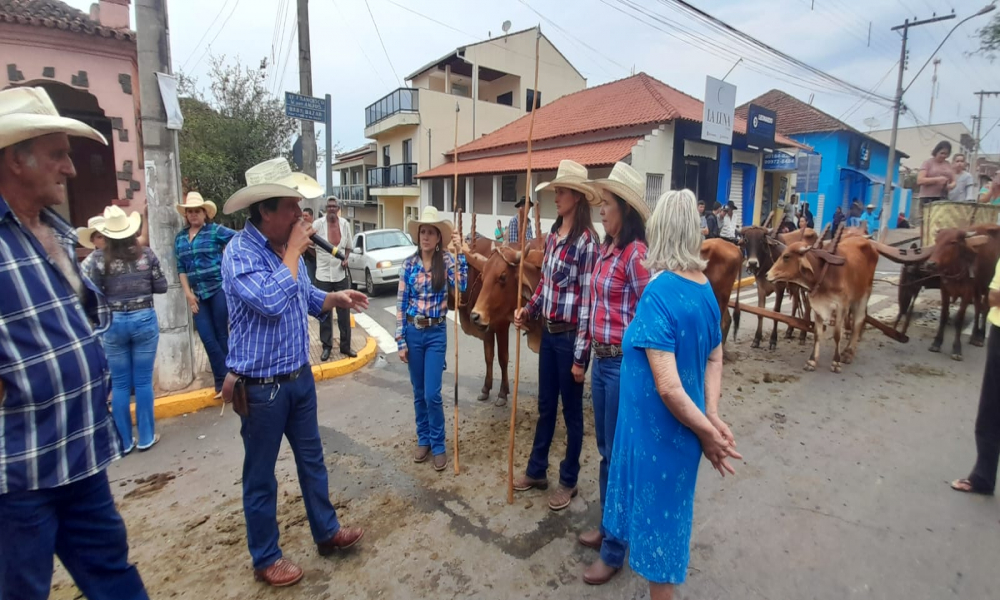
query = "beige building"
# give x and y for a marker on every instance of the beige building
(357, 204)
(919, 141)
(490, 82)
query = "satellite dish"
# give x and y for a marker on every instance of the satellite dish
(506, 27)
(871, 122)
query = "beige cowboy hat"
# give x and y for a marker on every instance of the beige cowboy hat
(194, 200)
(28, 112)
(83, 234)
(430, 216)
(626, 183)
(571, 175)
(272, 179)
(117, 225)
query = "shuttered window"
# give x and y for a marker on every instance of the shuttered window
(654, 187)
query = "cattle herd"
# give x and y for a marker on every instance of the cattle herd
(828, 279)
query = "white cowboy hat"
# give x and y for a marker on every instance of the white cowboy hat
(430, 216)
(573, 176)
(194, 200)
(626, 183)
(870, 206)
(28, 112)
(272, 179)
(117, 225)
(84, 234)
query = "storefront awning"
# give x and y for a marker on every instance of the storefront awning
(874, 179)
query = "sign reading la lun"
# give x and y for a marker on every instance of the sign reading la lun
(761, 126)
(306, 108)
(779, 161)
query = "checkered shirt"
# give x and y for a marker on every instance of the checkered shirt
(201, 258)
(513, 228)
(417, 297)
(618, 281)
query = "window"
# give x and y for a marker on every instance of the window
(654, 187)
(506, 99)
(508, 188)
(385, 156)
(807, 167)
(531, 96)
(359, 243)
(460, 90)
(408, 151)
(692, 172)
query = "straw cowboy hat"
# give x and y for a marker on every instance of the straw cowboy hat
(626, 183)
(28, 112)
(117, 225)
(430, 216)
(572, 176)
(84, 234)
(194, 200)
(272, 179)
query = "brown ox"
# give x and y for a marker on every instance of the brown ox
(964, 259)
(724, 262)
(837, 289)
(762, 249)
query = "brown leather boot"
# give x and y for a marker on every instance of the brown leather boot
(561, 497)
(525, 483)
(344, 539)
(280, 574)
(598, 573)
(591, 539)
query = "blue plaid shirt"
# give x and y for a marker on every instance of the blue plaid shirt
(55, 427)
(268, 309)
(416, 296)
(201, 258)
(512, 231)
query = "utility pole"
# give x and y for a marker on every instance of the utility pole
(174, 360)
(930, 112)
(979, 132)
(306, 89)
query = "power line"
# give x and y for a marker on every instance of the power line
(221, 29)
(576, 39)
(284, 69)
(360, 47)
(368, 6)
(207, 29)
(284, 20)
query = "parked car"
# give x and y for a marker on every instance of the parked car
(377, 258)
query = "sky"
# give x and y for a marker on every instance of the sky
(351, 63)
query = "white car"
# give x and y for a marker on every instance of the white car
(377, 258)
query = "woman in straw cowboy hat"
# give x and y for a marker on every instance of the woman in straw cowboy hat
(129, 274)
(671, 379)
(618, 281)
(421, 331)
(570, 253)
(199, 246)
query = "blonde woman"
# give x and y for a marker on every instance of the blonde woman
(671, 378)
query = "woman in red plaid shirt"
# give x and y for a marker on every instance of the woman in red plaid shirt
(618, 281)
(562, 301)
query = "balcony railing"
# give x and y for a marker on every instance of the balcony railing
(393, 176)
(401, 100)
(351, 194)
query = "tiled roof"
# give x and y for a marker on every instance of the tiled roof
(794, 115)
(636, 100)
(57, 15)
(594, 154)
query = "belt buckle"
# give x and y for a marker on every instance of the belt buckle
(267, 380)
(417, 323)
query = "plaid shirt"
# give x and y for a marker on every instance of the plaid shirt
(268, 309)
(55, 427)
(565, 283)
(201, 258)
(618, 281)
(416, 296)
(512, 231)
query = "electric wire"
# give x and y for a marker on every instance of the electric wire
(377, 32)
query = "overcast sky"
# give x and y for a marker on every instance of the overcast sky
(604, 44)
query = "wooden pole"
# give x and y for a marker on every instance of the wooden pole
(523, 219)
(458, 297)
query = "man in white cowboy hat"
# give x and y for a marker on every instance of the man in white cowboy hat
(514, 227)
(58, 436)
(870, 219)
(270, 299)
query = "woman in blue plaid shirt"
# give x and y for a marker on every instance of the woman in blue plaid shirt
(421, 305)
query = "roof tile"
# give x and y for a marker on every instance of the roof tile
(54, 14)
(594, 154)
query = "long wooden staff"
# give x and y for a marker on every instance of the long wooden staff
(458, 297)
(523, 220)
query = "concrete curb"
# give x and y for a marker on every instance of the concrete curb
(742, 283)
(175, 405)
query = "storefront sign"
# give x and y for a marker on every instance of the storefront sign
(761, 125)
(717, 117)
(859, 153)
(779, 161)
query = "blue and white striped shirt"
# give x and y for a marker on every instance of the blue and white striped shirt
(268, 309)
(55, 427)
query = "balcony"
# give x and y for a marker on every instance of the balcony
(394, 180)
(396, 109)
(352, 194)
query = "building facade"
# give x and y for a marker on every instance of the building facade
(87, 63)
(490, 83)
(918, 142)
(357, 204)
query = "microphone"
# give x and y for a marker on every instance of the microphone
(327, 246)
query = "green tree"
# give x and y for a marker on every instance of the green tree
(989, 37)
(238, 125)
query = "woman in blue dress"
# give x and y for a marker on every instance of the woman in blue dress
(671, 378)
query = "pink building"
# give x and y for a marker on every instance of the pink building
(88, 65)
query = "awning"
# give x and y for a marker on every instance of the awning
(701, 150)
(594, 154)
(874, 179)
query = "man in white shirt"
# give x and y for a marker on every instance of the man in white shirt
(964, 190)
(331, 274)
(727, 223)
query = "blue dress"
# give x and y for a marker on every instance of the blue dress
(654, 464)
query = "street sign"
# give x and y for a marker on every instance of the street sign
(717, 116)
(761, 124)
(306, 108)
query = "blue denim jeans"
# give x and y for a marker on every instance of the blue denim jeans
(78, 523)
(130, 344)
(426, 349)
(283, 409)
(604, 386)
(212, 323)
(555, 378)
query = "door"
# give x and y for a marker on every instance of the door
(736, 192)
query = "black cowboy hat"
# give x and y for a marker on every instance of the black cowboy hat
(520, 203)
(730, 205)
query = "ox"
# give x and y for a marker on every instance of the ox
(964, 260)
(762, 249)
(724, 262)
(839, 286)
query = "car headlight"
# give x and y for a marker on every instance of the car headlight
(383, 264)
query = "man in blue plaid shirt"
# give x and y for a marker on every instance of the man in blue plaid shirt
(56, 434)
(514, 227)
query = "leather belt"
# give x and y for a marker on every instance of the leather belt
(421, 322)
(559, 326)
(274, 378)
(131, 305)
(606, 350)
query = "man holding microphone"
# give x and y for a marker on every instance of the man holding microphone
(270, 382)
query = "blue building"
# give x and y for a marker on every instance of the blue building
(844, 164)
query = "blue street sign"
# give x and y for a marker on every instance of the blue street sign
(306, 108)
(761, 126)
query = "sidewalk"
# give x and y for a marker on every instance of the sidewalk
(902, 237)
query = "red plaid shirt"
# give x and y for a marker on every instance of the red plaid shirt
(563, 292)
(618, 281)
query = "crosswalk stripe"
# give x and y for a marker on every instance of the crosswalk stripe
(386, 343)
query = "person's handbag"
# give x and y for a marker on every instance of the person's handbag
(234, 392)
